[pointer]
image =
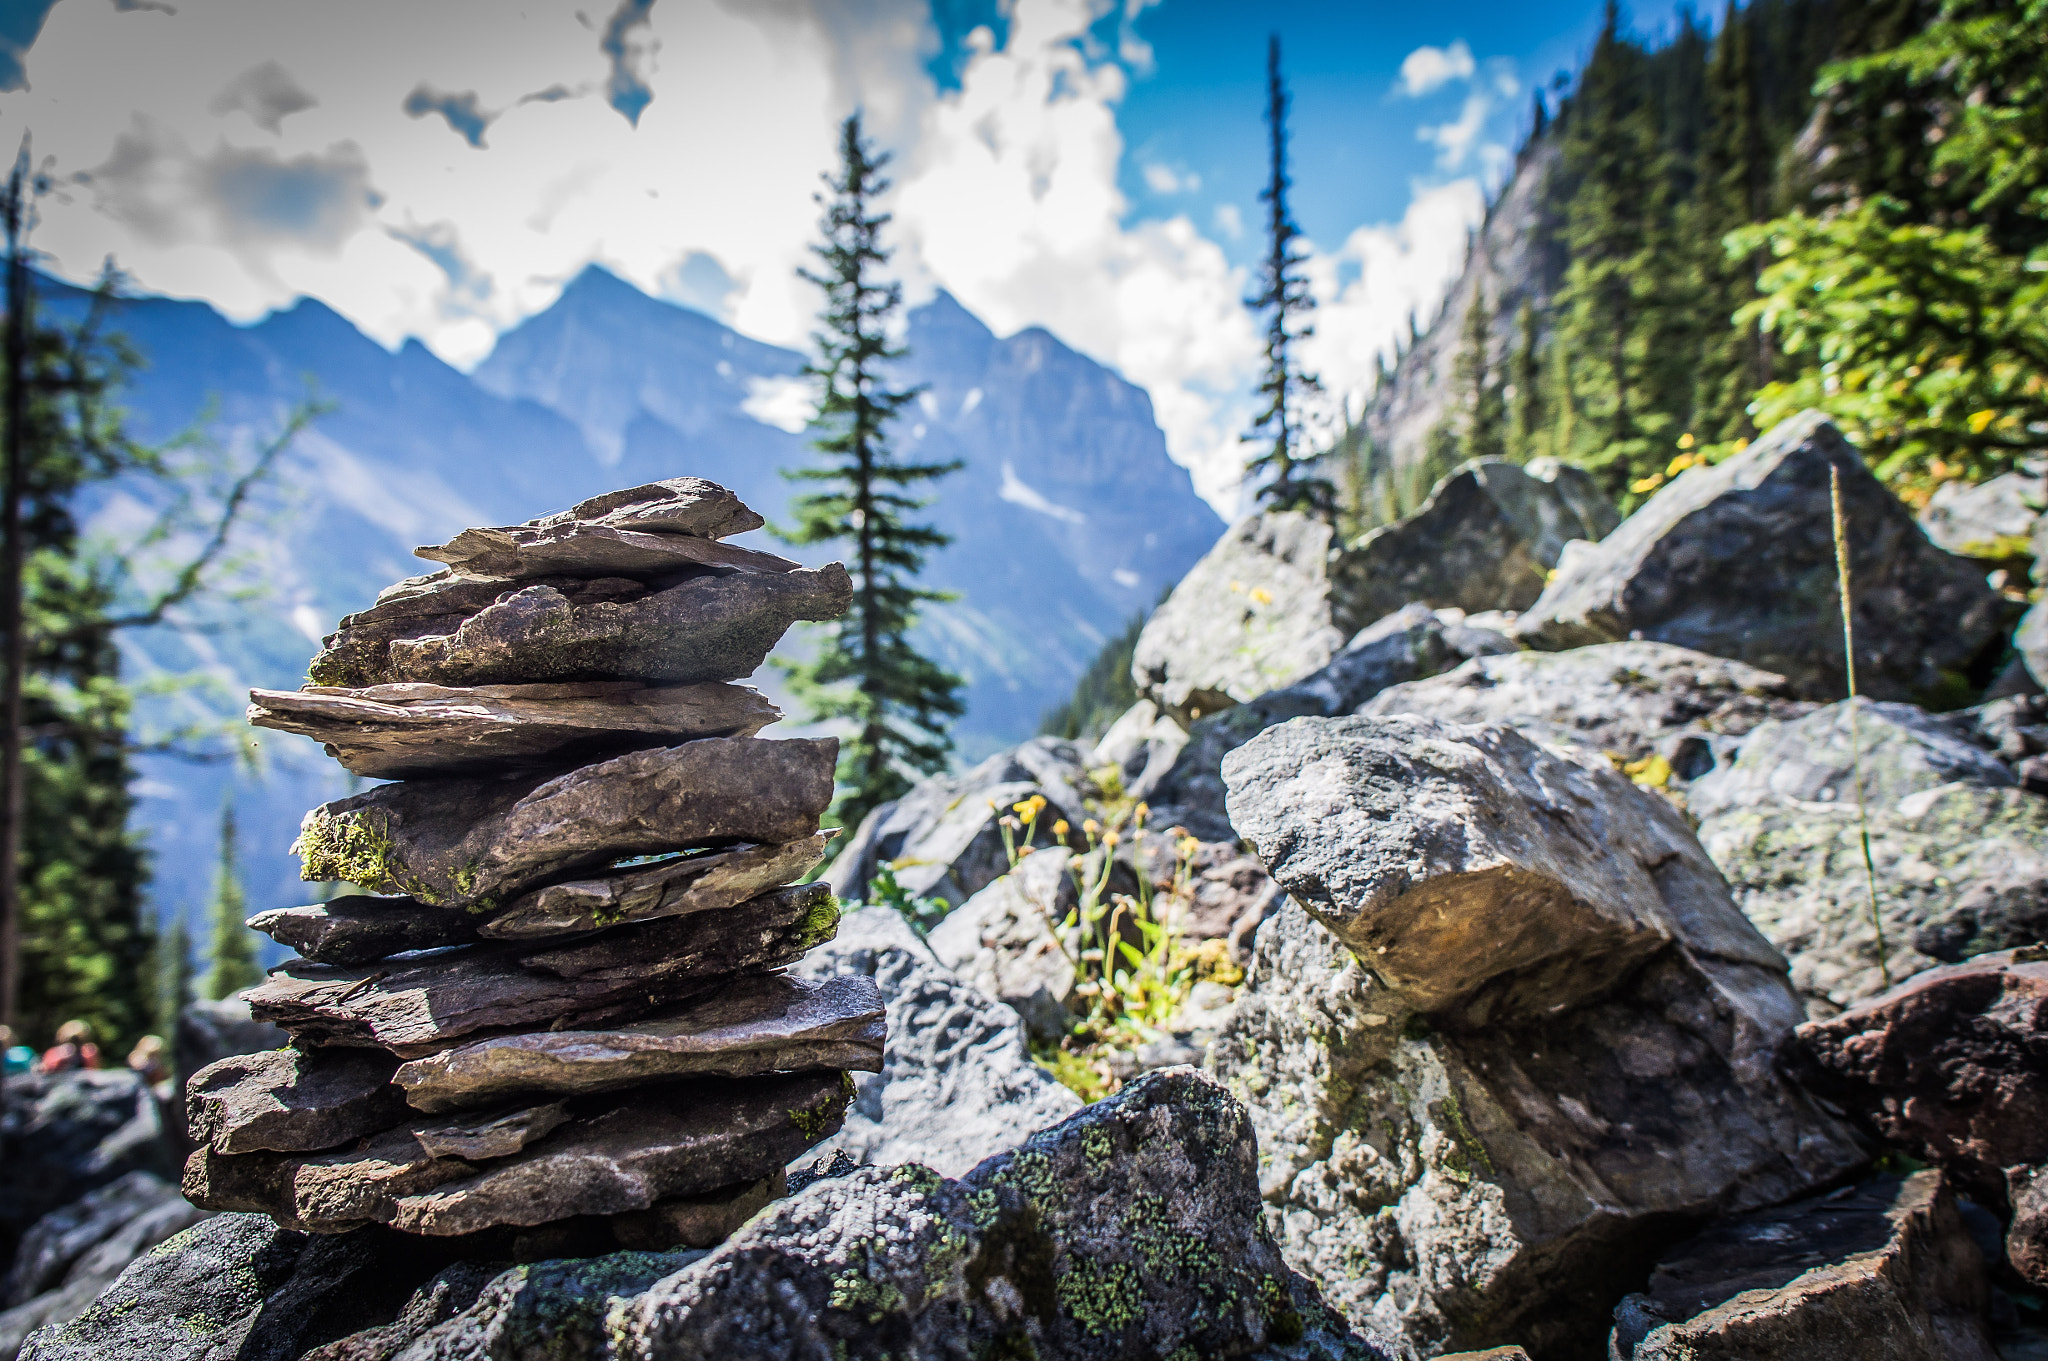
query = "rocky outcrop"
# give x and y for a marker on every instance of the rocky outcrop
(1960, 852)
(1131, 1228)
(1639, 701)
(1412, 642)
(1882, 1269)
(1486, 539)
(1528, 1036)
(1737, 560)
(942, 836)
(1992, 521)
(400, 732)
(957, 1083)
(1950, 1065)
(65, 1134)
(1257, 612)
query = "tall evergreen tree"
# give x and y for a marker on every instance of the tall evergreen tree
(867, 673)
(1482, 403)
(174, 978)
(1528, 414)
(232, 966)
(1292, 481)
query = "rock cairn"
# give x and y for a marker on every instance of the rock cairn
(566, 1007)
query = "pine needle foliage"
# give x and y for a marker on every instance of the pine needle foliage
(233, 964)
(1291, 481)
(867, 674)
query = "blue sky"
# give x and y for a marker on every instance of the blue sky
(1091, 166)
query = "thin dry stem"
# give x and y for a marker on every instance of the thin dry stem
(1884, 968)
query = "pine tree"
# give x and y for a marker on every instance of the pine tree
(174, 980)
(867, 673)
(1292, 482)
(1528, 423)
(233, 964)
(1482, 405)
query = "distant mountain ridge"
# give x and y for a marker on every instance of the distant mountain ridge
(1068, 514)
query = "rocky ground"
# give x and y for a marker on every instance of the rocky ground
(1528, 988)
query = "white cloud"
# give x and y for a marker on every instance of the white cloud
(785, 403)
(1394, 272)
(1162, 179)
(440, 171)
(1427, 68)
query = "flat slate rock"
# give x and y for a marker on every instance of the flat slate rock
(598, 550)
(626, 1154)
(671, 888)
(757, 1024)
(405, 731)
(480, 841)
(356, 928)
(420, 1004)
(693, 506)
(708, 628)
(291, 1101)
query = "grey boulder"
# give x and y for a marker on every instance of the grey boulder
(91, 1242)
(1737, 560)
(420, 1004)
(957, 1083)
(64, 1134)
(1881, 1269)
(1960, 853)
(1485, 539)
(480, 841)
(1258, 611)
(1412, 642)
(405, 731)
(1005, 941)
(757, 1024)
(1993, 521)
(1635, 700)
(943, 838)
(1528, 1037)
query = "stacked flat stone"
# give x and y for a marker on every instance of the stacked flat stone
(566, 1003)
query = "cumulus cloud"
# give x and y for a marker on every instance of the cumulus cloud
(1163, 179)
(267, 93)
(218, 175)
(1427, 68)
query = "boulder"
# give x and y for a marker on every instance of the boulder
(957, 1083)
(292, 1100)
(1991, 521)
(942, 836)
(401, 732)
(419, 1004)
(2030, 640)
(1961, 855)
(759, 1024)
(57, 1240)
(1737, 560)
(125, 1227)
(706, 882)
(1529, 1037)
(1412, 642)
(1639, 701)
(1486, 539)
(1951, 1065)
(2026, 1242)
(1258, 611)
(238, 1286)
(1142, 744)
(64, 1134)
(1881, 1269)
(481, 841)
(1004, 942)
(458, 631)
(462, 1176)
